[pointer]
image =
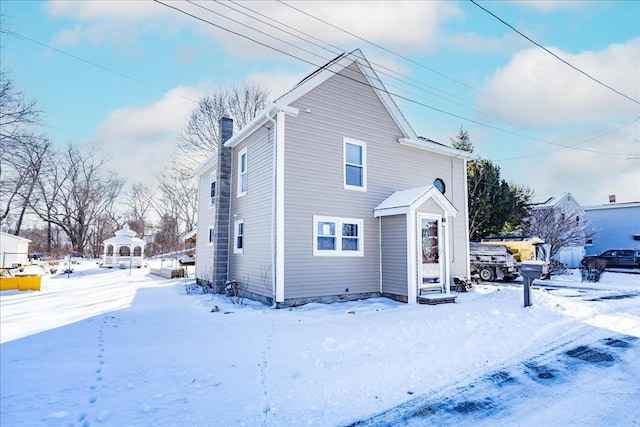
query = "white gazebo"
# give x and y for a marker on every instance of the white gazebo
(123, 250)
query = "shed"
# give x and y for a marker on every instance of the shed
(14, 250)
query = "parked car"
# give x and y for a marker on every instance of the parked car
(625, 258)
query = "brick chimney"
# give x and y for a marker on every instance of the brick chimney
(222, 230)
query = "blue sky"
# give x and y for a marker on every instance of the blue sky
(125, 76)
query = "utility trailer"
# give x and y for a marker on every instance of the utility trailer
(500, 258)
(492, 262)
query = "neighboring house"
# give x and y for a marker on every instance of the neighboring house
(14, 250)
(330, 195)
(566, 206)
(617, 226)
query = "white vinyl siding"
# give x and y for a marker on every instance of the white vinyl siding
(243, 183)
(355, 168)
(337, 236)
(238, 237)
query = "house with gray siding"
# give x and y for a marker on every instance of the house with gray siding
(330, 195)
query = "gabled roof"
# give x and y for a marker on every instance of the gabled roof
(401, 202)
(554, 201)
(319, 76)
(337, 66)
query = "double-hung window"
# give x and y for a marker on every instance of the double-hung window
(355, 171)
(337, 236)
(238, 238)
(243, 183)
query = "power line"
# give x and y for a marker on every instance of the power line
(405, 98)
(574, 145)
(403, 78)
(553, 54)
(408, 83)
(86, 61)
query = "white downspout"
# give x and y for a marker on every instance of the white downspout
(447, 260)
(412, 253)
(273, 210)
(279, 266)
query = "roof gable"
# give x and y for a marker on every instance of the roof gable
(338, 66)
(402, 202)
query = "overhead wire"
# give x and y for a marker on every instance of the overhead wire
(336, 49)
(429, 69)
(315, 65)
(94, 64)
(553, 54)
(487, 125)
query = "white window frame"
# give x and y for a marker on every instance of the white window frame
(238, 233)
(339, 222)
(363, 147)
(210, 236)
(243, 175)
(212, 180)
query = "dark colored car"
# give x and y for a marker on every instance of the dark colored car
(625, 258)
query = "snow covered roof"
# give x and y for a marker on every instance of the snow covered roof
(401, 202)
(125, 236)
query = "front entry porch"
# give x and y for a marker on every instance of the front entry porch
(415, 257)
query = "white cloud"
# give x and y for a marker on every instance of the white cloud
(141, 140)
(539, 90)
(596, 167)
(396, 25)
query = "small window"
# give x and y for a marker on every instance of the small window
(439, 184)
(212, 193)
(243, 183)
(355, 173)
(211, 236)
(337, 236)
(238, 241)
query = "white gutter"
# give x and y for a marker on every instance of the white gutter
(435, 148)
(261, 119)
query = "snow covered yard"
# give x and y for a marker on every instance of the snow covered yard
(123, 348)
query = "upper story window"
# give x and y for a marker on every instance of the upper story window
(238, 238)
(355, 168)
(439, 184)
(243, 183)
(337, 236)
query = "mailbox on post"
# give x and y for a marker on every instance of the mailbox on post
(530, 271)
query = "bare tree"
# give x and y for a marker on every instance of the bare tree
(74, 193)
(177, 207)
(201, 135)
(16, 113)
(139, 203)
(21, 152)
(558, 228)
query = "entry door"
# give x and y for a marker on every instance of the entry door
(430, 271)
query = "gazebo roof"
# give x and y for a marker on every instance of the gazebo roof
(126, 236)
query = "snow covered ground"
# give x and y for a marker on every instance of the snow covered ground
(123, 348)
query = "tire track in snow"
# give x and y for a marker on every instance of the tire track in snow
(486, 399)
